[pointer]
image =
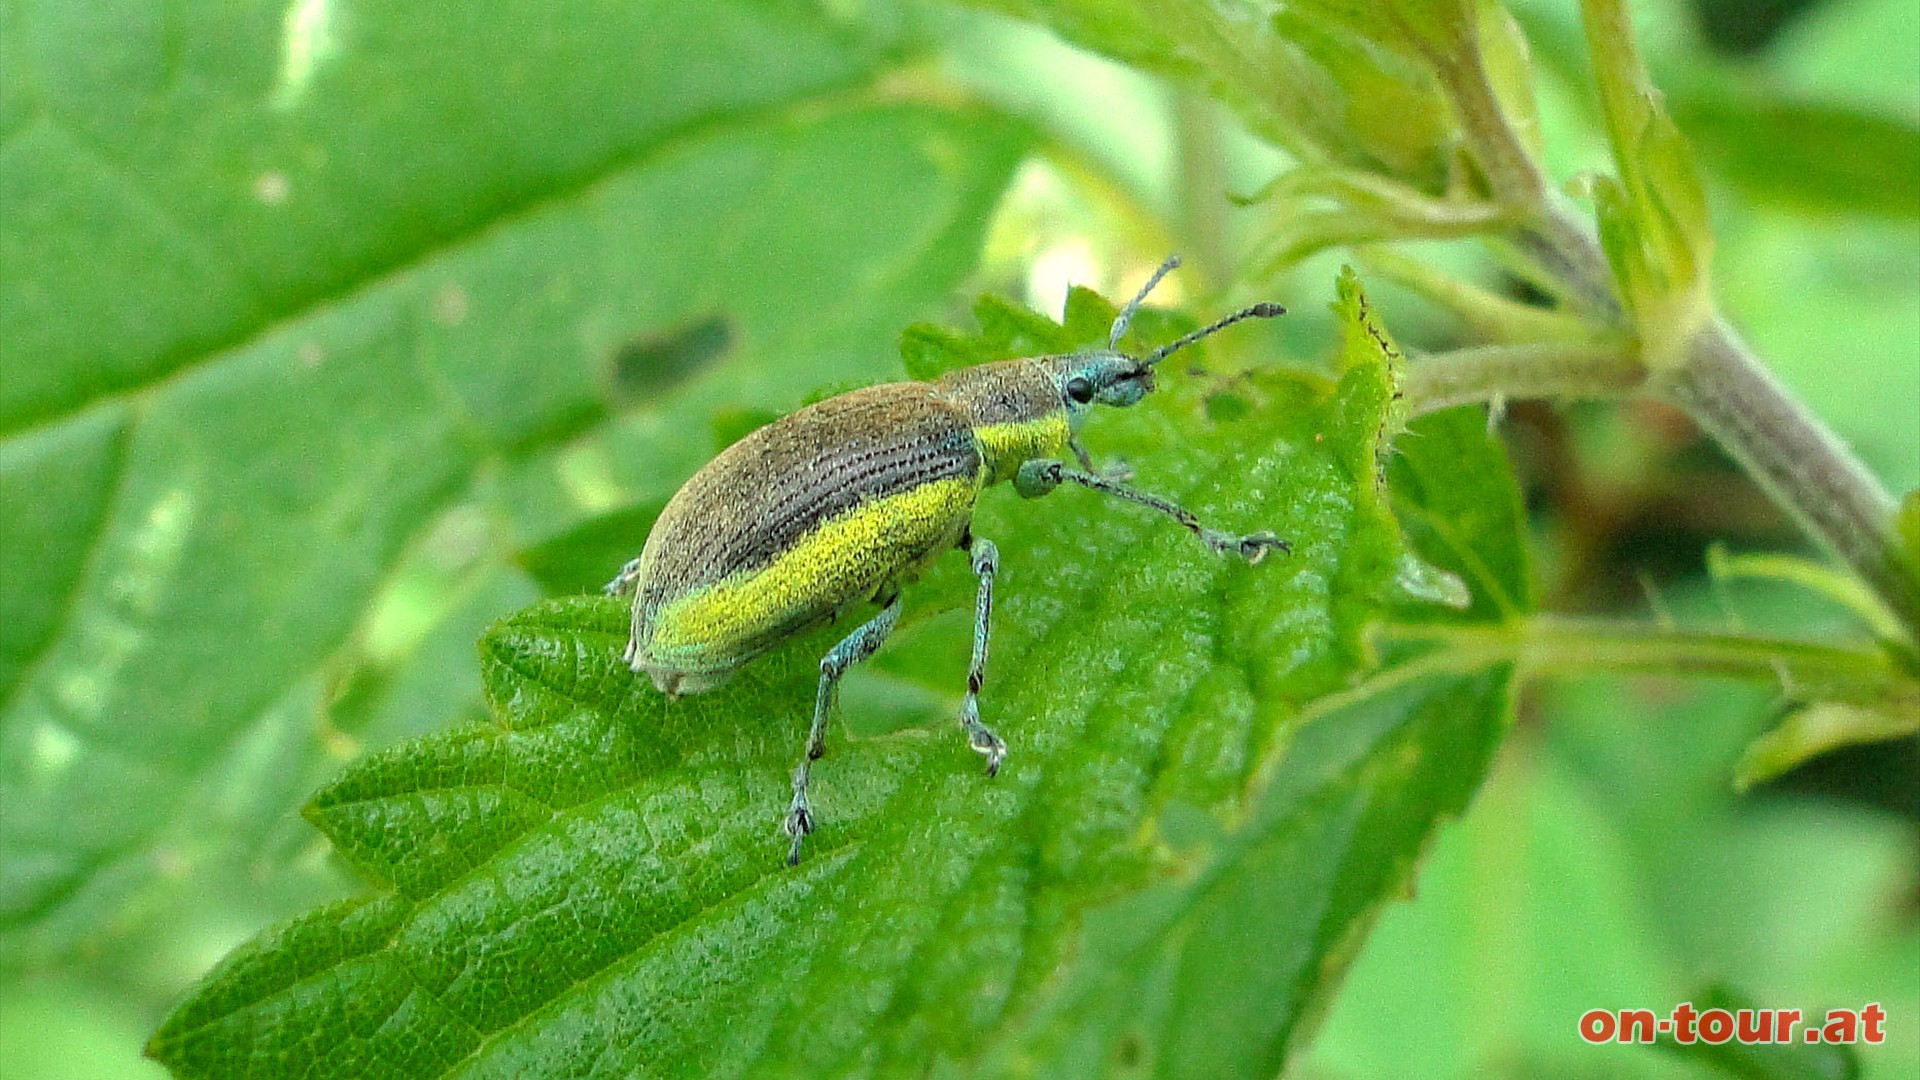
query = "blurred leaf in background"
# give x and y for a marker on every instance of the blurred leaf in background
(301, 301)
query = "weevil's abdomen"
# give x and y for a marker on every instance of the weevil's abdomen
(819, 510)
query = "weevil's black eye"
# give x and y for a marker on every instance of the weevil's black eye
(1079, 390)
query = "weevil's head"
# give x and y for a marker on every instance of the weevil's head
(1029, 408)
(1083, 380)
(1110, 377)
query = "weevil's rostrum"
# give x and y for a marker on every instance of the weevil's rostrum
(845, 501)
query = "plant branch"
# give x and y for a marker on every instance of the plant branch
(1534, 370)
(1510, 169)
(1564, 259)
(1498, 317)
(1802, 465)
(1561, 645)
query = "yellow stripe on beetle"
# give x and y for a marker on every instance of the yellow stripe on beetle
(1005, 447)
(848, 557)
(846, 499)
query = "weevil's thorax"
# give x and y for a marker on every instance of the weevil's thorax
(1031, 408)
(1015, 409)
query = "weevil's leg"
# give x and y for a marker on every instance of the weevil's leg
(628, 582)
(1040, 476)
(855, 647)
(1119, 470)
(624, 581)
(986, 562)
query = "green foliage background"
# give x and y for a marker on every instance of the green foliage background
(333, 334)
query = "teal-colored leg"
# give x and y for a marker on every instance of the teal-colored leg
(624, 581)
(623, 584)
(986, 562)
(854, 648)
(1038, 477)
(1120, 471)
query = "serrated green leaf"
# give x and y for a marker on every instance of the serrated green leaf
(1368, 352)
(596, 877)
(209, 485)
(1007, 331)
(1472, 532)
(930, 351)
(1017, 330)
(252, 165)
(1220, 971)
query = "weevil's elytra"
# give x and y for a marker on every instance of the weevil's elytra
(845, 501)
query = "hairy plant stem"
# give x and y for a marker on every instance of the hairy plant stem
(1493, 315)
(1510, 169)
(1562, 645)
(1797, 461)
(1534, 370)
(1801, 464)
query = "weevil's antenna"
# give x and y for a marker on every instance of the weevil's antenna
(1125, 318)
(1257, 311)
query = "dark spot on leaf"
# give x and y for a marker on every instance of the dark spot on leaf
(650, 364)
(1131, 1052)
(1224, 407)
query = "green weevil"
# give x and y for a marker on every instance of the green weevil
(848, 499)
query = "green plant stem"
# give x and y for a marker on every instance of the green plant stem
(1796, 459)
(1621, 78)
(1565, 259)
(1801, 464)
(1510, 170)
(1499, 318)
(1563, 645)
(1533, 370)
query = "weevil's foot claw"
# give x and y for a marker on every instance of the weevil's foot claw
(980, 737)
(984, 742)
(799, 825)
(1253, 547)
